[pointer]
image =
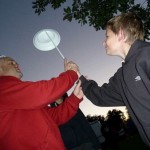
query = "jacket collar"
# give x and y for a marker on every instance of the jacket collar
(135, 47)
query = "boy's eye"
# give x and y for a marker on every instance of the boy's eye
(11, 62)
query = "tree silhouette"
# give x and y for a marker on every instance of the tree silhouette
(116, 119)
(114, 122)
(97, 12)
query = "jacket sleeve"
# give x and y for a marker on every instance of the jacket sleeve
(106, 95)
(66, 110)
(17, 94)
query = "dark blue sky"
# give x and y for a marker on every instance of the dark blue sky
(83, 45)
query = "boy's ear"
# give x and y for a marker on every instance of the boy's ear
(121, 35)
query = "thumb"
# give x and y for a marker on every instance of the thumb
(65, 61)
(78, 83)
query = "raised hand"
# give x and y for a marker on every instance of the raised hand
(70, 65)
(78, 90)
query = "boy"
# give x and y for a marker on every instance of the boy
(130, 85)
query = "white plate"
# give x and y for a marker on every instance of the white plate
(46, 39)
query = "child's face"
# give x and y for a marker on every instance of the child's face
(111, 43)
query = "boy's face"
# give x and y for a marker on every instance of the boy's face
(112, 43)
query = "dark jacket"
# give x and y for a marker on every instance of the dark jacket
(78, 132)
(130, 87)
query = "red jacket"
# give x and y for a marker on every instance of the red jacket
(26, 122)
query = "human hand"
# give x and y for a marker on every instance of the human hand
(87, 77)
(78, 90)
(70, 65)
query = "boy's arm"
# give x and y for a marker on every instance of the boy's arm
(106, 95)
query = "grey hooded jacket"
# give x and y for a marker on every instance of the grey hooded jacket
(130, 87)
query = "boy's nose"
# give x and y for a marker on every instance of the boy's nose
(104, 43)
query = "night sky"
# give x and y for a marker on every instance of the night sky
(82, 44)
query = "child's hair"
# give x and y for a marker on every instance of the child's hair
(130, 23)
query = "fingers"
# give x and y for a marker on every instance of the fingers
(65, 61)
(78, 90)
(70, 65)
(78, 83)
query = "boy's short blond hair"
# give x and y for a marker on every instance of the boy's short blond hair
(130, 23)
